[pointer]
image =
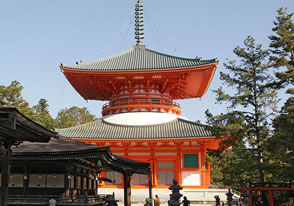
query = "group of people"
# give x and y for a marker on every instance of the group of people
(185, 201)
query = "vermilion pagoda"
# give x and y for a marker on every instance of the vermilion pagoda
(141, 80)
(141, 121)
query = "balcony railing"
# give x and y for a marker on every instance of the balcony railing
(140, 101)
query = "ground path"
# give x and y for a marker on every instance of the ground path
(165, 204)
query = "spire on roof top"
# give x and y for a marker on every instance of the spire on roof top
(139, 23)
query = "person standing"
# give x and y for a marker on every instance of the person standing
(217, 200)
(186, 202)
(156, 201)
(229, 197)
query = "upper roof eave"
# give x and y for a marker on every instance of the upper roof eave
(25, 129)
(138, 59)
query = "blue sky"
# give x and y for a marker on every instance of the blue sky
(36, 36)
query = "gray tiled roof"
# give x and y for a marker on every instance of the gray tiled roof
(139, 58)
(61, 144)
(66, 149)
(15, 126)
(100, 129)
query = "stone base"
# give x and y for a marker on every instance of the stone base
(196, 196)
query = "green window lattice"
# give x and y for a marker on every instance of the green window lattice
(190, 160)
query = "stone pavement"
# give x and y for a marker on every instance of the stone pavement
(165, 204)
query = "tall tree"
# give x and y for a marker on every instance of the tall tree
(42, 115)
(282, 143)
(282, 48)
(11, 96)
(251, 100)
(73, 116)
(282, 54)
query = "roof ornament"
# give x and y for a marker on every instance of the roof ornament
(139, 23)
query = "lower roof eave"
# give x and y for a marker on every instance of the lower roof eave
(201, 140)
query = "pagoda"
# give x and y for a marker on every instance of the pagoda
(141, 120)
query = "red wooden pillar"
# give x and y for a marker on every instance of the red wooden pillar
(153, 164)
(155, 172)
(203, 179)
(178, 174)
(270, 197)
(250, 198)
(208, 173)
(202, 167)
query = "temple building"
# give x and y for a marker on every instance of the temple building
(141, 120)
(38, 165)
(15, 128)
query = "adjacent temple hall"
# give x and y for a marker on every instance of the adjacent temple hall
(141, 120)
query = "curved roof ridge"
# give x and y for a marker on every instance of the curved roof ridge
(184, 58)
(189, 121)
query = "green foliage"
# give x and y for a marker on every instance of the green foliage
(251, 101)
(11, 96)
(257, 151)
(282, 48)
(281, 146)
(233, 166)
(216, 168)
(42, 115)
(73, 116)
(282, 143)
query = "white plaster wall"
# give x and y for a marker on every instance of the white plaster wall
(190, 178)
(141, 118)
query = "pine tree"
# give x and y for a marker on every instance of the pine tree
(282, 143)
(282, 48)
(251, 99)
(282, 54)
